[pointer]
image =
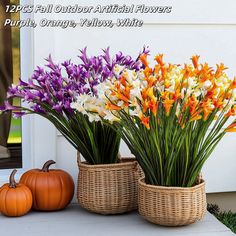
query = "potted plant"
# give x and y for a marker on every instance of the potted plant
(171, 117)
(105, 185)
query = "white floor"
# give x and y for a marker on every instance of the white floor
(75, 221)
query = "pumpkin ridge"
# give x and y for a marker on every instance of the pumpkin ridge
(34, 180)
(16, 196)
(31, 197)
(5, 200)
(61, 195)
(26, 200)
(48, 190)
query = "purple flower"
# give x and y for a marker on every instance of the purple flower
(9, 107)
(18, 114)
(56, 86)
(38, 109)
(58, 107)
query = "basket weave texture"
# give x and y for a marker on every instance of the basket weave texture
(172, 206)
(109, 188)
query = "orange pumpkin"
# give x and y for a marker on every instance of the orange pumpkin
(51, 189)
(15, 199)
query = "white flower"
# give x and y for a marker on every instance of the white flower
(171, 89)
(134, 112)
(120, 103)
(118, 69)
(197, 92)
(93, 117)
(192, 82)
(160, 87)
(110, 117)
(130, 75)
(77, 106)
(177, 110)
(207, 84)
(234, 94)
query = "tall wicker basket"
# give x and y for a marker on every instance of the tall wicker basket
(109, 188)
(172, 206)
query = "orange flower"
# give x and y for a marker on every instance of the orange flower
(149, 92)
(112, 106)
(195, 61)
(231, 128)
(145, 105)
(127, 91)
(122, 97)
(151, 80)
(157, 68)
(220, 69)
(117, 85)
(207, 108)
(147, 71)
(159, 59)
(206, 73)
(163, 72)
(212, 92)
(122, 80)
(187, 71)
(168, 104)
(176, 95)
(231, 112)
(233, 84)
(217, 102)
(193, 104)
(143, 59)
(181, 121)
(145, 121)
(167, 83)
(195, 117)
(206, 69)
(144, 93)
(153, 106)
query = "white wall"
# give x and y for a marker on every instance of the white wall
(207, 28)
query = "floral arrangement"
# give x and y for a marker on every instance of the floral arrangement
(170, 116)
(52, 93)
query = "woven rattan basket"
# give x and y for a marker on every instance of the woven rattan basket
(172, 206)
(109, 188)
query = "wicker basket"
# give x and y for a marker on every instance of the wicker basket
(109, 188)
(172, 206)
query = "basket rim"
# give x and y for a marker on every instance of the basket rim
(170, 188)
(129, 161)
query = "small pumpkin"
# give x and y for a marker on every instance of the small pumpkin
(15, 199)
(51, 189)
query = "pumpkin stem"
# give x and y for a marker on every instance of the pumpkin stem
(12, 182)
(47, 164)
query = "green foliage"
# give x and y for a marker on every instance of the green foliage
(228, 218)
(213, 208)
(97, 142)
(172, 154)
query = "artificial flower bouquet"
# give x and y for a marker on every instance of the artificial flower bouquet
(52, 93)
(170, 116)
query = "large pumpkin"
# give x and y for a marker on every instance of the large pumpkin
(52, 189)
(15, 199)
